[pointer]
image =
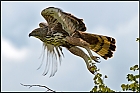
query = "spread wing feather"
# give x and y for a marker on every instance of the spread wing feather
(54, 53)
(69, 22)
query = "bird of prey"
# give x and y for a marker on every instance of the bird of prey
(65, 30)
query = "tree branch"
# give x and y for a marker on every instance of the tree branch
(48, 89)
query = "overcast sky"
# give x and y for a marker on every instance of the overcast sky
(20, 54)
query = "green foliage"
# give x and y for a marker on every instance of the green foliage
(134, 85)
(101, 87)
(99, 82)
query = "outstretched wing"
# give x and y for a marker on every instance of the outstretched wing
(54, 53)
(69, 22)
(63, 25)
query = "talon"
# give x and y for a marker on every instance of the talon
(90, 60)
(95, 58)
(92, 69)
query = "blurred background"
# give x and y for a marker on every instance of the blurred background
(20, 54)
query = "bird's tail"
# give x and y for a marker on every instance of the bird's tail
(102, 45)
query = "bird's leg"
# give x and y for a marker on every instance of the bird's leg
(95, 58)
(80, 42)
(78, 52)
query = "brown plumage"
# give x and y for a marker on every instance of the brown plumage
(65, 30)
(69, 22)
(102, 45)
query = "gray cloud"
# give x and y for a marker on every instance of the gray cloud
(117, 19)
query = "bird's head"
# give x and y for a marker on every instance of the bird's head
(39, 32)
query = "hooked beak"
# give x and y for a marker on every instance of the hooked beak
(34, 32)
(30, 34)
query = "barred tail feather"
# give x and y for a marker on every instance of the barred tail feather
(102, 45)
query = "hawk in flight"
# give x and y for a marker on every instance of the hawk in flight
(65, 30)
